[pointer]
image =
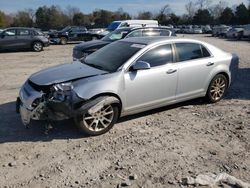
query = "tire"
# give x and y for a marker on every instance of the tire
(63, 40)
(85, 124)
(37, 46)
(217, 88)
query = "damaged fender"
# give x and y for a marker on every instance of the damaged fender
(97, 104)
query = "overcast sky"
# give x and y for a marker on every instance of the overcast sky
(87, 6)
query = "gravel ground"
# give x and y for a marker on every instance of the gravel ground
(153, 149)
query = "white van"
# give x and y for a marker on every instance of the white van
(132, 23)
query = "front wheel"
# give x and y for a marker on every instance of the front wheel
(217, 88)
(63, 40)
(37, 46)
(98, 123)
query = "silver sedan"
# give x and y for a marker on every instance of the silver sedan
(127, 77)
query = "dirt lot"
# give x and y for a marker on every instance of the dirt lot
(157, 148)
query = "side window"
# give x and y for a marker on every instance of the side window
(75, 29)
(23, 32)
(136, 33)
(164, 32)
(188, 51)
(10, 32)
(158, 56)
(205, 52)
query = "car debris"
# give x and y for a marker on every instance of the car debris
(210, 179)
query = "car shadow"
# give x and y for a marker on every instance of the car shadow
(12, 130)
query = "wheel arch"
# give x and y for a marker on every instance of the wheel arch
(32, 43)
(120, 105)
(224, 73)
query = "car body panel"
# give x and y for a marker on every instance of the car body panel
(64, 73)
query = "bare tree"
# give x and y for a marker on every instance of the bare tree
(217, 9)
(165, 10)
(32, 13)
(203, 4)
(71, 11)
(191, 9)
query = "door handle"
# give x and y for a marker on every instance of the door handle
(210, 64)
(170, 71)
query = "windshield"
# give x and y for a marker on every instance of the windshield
(65, 29)
(112, 56)
(113, 26)
(115, 35)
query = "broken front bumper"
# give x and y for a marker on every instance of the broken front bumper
(24, 102)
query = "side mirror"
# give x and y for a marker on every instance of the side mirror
(141, 65)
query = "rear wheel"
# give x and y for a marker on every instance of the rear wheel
(63, 40)
(98, 123)
(37, 46)
(217, 88)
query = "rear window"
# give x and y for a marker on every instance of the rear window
(154, 32)
(190, 51)
(23, 32)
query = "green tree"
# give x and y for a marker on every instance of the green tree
(22, 19)
(241, 14)
(81, 19)
(2, 19)
(121, 15)
(51, 18)
(102, 18)
(144, 15)
(202, 17)
(226, 16)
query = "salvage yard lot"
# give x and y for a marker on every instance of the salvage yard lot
(158, 148)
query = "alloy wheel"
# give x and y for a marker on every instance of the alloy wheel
(218, 88)
(99, 120)
(38, 46)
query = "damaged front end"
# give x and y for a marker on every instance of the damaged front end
(54, 102)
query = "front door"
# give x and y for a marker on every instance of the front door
(8, 39)
(154, 86)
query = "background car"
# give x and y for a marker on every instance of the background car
(234, 32)
(19, 38)
(83, 49)
(220, 31)
(72, 33)
(246, 31)
(127, 77)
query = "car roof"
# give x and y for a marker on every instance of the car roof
(22, 28)
(158, 39)
(137, 28)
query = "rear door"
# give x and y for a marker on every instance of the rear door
(195, 64)
(24, 38)
(8, 39)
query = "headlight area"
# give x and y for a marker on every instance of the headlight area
(55, 105)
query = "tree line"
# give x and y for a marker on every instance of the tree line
(200, 12)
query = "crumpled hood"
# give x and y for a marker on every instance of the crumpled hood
(91, 44)
(64, 73)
